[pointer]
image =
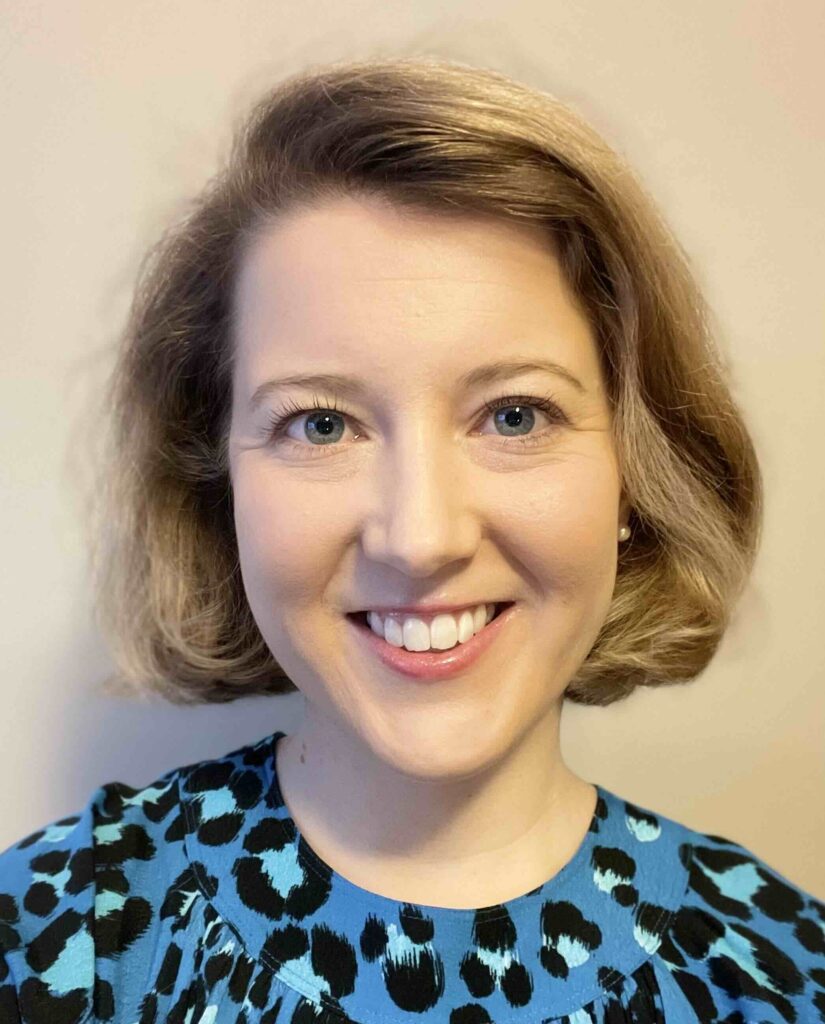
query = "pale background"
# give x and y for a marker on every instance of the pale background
(115, 113)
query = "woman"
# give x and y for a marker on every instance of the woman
(417, 413)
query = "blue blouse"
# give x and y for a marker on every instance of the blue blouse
(195, 900)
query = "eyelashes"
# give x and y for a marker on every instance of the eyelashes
(546, 405)
(280, 419)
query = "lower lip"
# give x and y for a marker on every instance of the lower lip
(433, 664)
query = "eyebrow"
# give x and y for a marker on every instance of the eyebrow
(355, 387)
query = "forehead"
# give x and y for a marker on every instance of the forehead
(357, 238)
(359, 280)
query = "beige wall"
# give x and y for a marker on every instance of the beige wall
(115, 113)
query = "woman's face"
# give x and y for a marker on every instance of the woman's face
(412, 491)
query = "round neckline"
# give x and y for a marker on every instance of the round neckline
(550, 951)
(313, 862)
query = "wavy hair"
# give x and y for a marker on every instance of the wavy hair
(447, 138)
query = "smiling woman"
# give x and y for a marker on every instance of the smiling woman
(417, 413)
(449, 160)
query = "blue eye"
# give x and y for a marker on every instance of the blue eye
(514, 412)
(324, 424)
(325, 421)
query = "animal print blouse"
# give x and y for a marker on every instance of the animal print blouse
(195, 900)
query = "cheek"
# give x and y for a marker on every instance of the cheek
(562, 524)
(284, 535)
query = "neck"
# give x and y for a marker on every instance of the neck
(440, 831)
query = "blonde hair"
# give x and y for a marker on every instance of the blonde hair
(446, 138)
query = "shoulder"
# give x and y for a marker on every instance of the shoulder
(745, 936)
(69, 894)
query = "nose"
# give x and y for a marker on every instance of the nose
(424, 516)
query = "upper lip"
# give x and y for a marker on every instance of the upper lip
(425, 609)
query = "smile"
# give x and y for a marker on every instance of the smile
(427, 663)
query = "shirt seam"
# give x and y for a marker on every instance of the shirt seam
(281, 971)
(284, 974)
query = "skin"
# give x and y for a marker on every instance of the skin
(449, 793)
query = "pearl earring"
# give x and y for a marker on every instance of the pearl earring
(624, 533)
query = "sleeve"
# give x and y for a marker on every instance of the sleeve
(747, 940)
(47, 897)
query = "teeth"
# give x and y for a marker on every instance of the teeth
(444, 632)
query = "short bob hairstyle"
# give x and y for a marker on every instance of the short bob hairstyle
(441, 137)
